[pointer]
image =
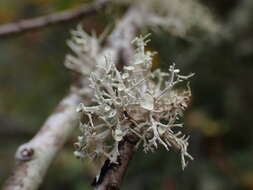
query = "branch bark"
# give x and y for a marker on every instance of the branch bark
(111, 175)
(34, 158)
(55, 18)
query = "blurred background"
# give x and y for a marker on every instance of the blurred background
(33, 80)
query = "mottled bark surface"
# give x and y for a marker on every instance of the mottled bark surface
(111, 174)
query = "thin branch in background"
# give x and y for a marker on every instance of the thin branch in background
(34, 158)
(54, 18)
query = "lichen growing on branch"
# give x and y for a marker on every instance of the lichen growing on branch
(177, 17)
(134, 101)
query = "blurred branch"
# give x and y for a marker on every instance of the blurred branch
(55, 18)
(33, 158)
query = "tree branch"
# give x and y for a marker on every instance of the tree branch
(33, 158)
(111, 175)
(55, 18)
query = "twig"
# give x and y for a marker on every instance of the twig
(123, 34)
(111, 175)
(33, 158)
(55, 18)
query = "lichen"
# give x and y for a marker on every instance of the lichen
(136, 101)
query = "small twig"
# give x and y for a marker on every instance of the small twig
(55, 18)
(111, 174)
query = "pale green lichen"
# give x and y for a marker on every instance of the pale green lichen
(178, 17)
(137, 101)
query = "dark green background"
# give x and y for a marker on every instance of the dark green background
(33, 79)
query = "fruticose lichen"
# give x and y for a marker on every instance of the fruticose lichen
(136, 101)
(178, 17)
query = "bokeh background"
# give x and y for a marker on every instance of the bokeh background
(220, 119)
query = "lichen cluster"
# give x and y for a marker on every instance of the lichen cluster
(84, 60)
(133, 101)
(178, 17)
